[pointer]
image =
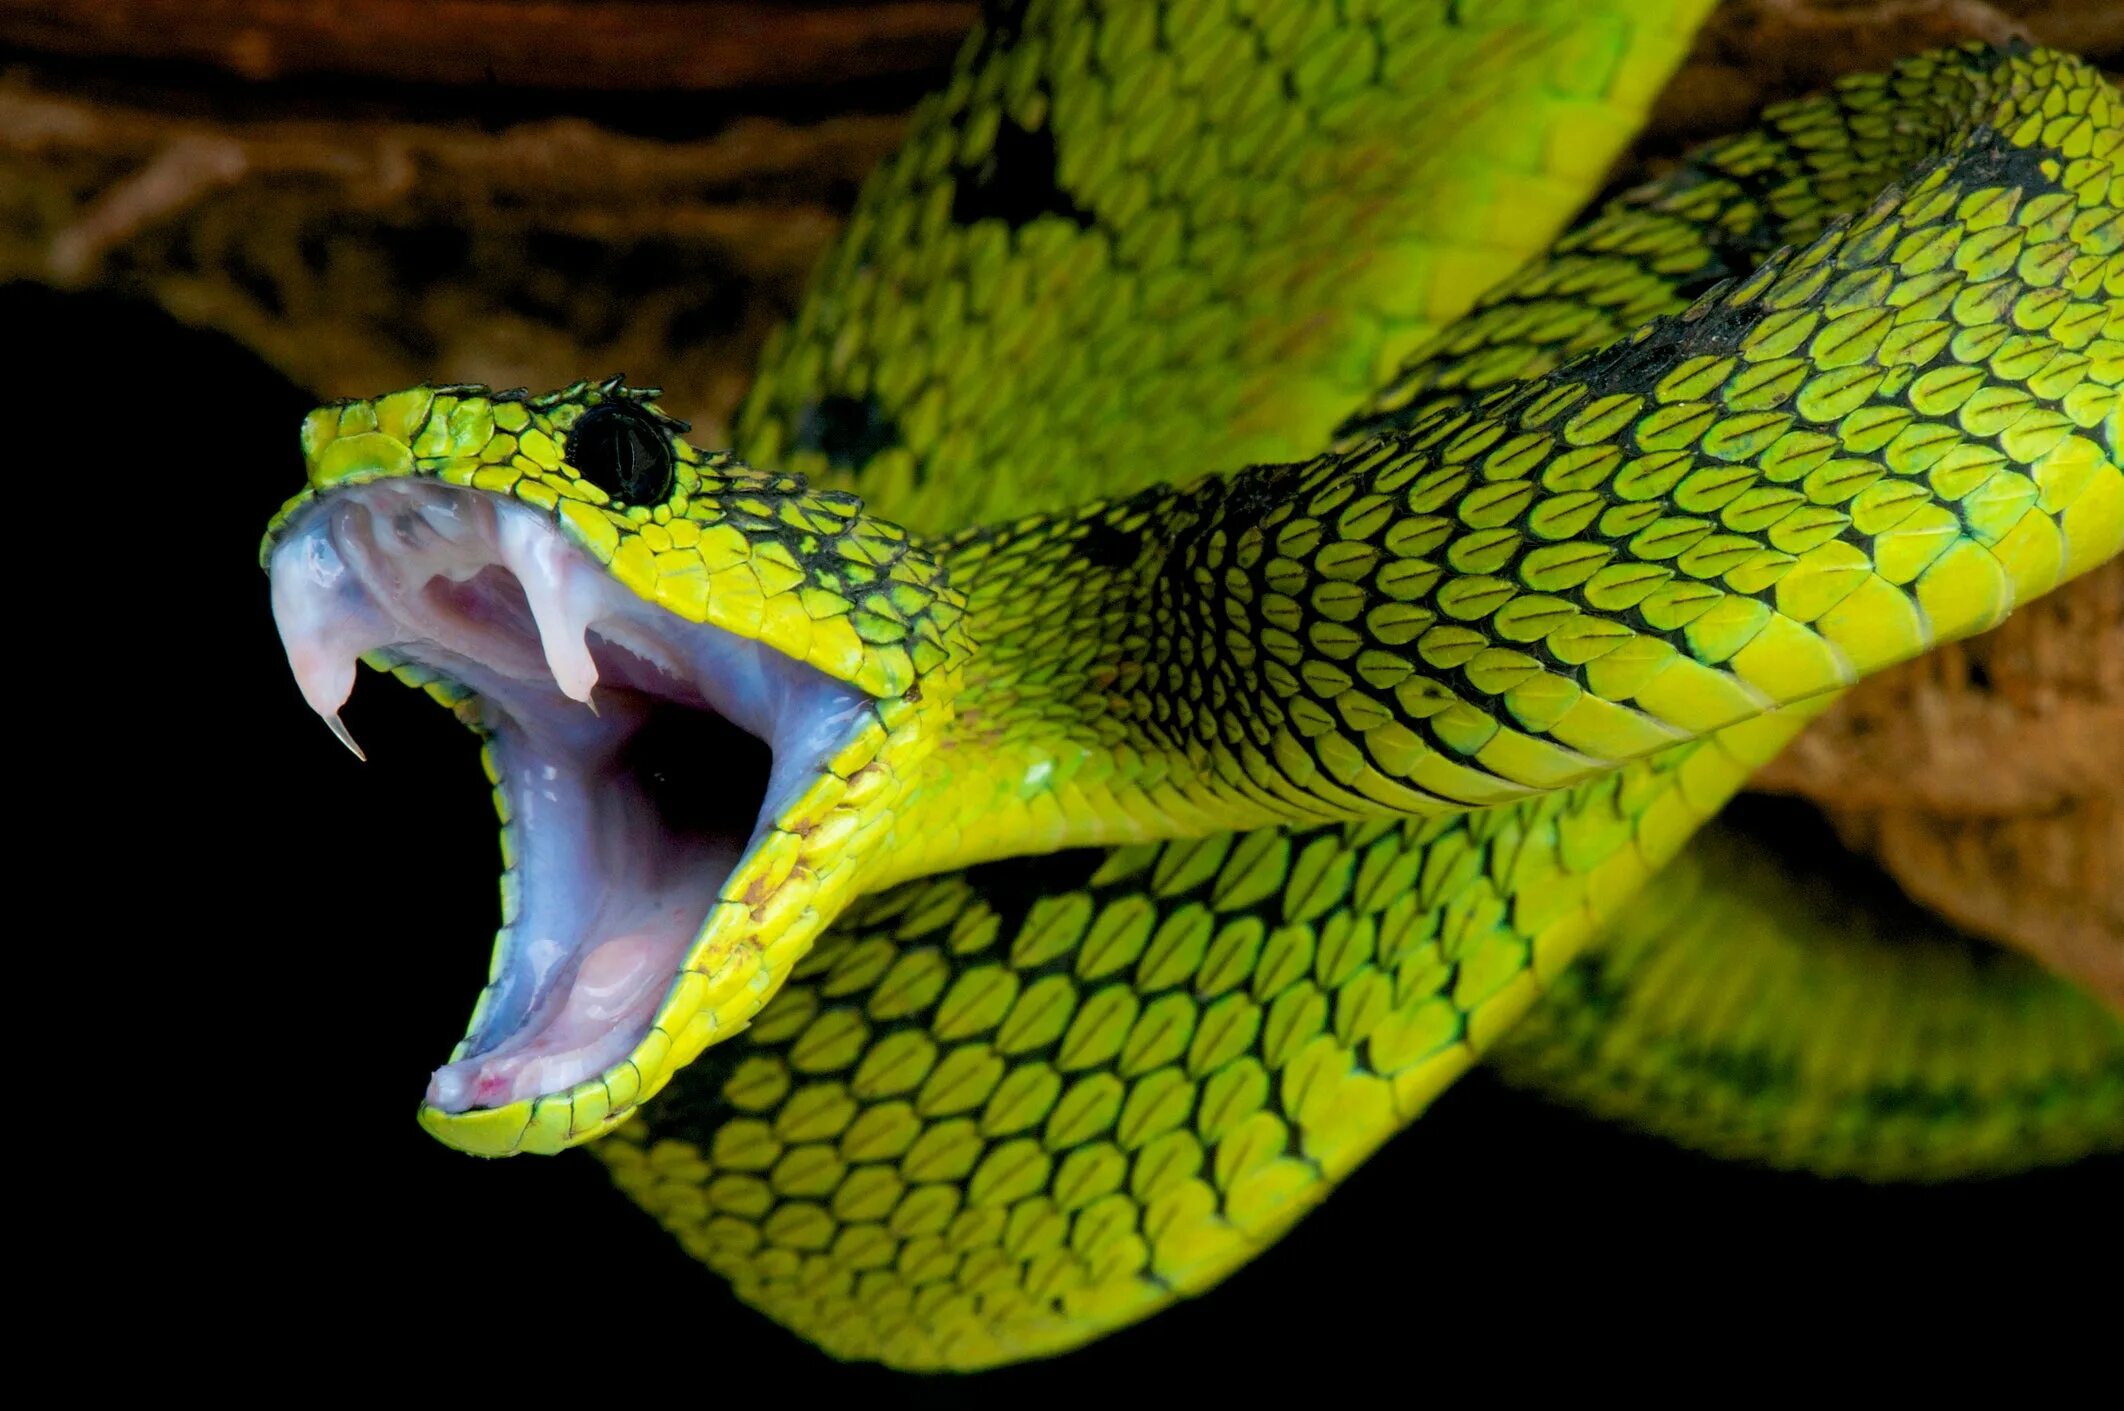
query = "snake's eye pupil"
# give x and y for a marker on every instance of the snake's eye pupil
(623, 452)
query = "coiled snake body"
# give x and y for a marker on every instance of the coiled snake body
(1196, 803)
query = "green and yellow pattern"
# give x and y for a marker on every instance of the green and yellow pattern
(764, 557)
(1003, 1112)
(1261, 790)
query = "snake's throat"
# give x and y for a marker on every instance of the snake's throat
(637, 755)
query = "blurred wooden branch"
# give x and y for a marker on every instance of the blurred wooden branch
(357, 251)
(642, 45)
(360, 254)
(1988, 778)
(1755, 52)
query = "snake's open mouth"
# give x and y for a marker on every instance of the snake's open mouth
(638, 756)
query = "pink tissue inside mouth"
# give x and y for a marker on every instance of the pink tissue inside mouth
(638, 754)
(604, 923)
(615, 991)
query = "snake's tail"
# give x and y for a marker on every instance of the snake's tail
(1748, 1009)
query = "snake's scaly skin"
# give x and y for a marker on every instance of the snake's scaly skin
(1741, 1012)
(1137, 242)
(1728, 1009)
(1468, 680)
(998, 1112)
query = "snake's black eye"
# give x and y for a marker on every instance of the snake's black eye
(623, 452)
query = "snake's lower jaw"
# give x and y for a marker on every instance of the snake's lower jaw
(676, 800)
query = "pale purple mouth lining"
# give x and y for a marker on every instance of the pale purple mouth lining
(615, 866)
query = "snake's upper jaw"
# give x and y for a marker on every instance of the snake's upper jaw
(644, 765)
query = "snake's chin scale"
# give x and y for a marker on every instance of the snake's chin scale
(637, 756)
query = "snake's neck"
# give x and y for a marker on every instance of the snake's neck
(1115, 691)
(1519, 594)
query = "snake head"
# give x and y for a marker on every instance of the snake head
(703, 692)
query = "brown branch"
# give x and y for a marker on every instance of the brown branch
(1755, 52)
(360, 254)
(1984, 777)
(2049, 884)
(604, 46)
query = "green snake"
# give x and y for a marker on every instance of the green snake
(1211, 616)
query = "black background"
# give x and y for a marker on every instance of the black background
(278, 943)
